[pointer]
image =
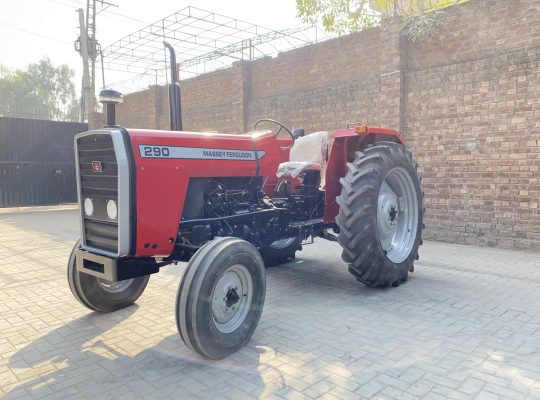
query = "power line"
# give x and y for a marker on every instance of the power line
(72, 5)
(34, 33)
(76, 2)
(127, 17)
(105, 12)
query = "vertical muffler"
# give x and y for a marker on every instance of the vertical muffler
(175, 101)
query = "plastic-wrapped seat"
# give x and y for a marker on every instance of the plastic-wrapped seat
(309, 153)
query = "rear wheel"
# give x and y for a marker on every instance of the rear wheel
(101, 295)
(221, 297)
(380, 215)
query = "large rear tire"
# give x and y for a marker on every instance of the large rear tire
(100, 295)
(380, 215)
(221, 297)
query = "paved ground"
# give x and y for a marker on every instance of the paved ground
(466, 325)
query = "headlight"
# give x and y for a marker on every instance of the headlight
(88, 206)
(112, 209)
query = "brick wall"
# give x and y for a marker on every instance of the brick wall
(327, 85)
(467, 102)
(472, 118)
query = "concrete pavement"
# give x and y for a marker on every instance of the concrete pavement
(465, 325)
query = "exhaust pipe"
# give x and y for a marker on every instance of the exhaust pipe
(175, 101)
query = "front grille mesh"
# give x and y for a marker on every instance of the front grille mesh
(100, 232)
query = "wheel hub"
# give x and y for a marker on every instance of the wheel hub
(231, 298)
(397, 215)
(393, 215)
(388, 211)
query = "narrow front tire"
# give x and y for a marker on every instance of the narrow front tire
(101, 295)
(221, 297)
(281, 251)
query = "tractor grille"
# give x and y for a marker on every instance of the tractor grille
(100, 185)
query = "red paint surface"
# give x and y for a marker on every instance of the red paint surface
(346, 143)
(161, 183)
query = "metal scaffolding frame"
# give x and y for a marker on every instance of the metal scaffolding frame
(204, 41)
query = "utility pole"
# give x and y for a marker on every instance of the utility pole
(92, 43)
(87, 98)
(89, 48)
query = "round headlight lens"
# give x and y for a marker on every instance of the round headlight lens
(88, 207)
(112, 209)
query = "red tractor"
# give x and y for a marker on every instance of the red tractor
(228, 204)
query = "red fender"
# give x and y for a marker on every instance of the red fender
(346, 143)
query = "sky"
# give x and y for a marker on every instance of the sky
(31, 29)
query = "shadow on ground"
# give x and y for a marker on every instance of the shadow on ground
(165, 369)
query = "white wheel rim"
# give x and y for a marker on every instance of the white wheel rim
(114, 287)
(397, 215)
(231, 298)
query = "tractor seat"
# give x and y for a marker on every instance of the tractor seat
(309, 153)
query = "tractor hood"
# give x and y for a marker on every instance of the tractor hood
(166, 160)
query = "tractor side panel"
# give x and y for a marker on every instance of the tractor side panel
(165, 161)
(346, 143)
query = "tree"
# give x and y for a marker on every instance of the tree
(337, 16)
(421, 18)
(40, 91)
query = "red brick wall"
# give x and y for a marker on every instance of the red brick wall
(472, 115)
(209, 102)
(467, 102)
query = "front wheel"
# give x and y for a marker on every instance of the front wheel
(221, 297)
(280, 251)
(100, 295)
(380, 215)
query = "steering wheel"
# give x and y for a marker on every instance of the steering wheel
(276, 133)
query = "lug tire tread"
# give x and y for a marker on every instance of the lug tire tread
(357, 221)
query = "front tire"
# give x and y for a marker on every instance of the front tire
(221, 297)
(100, 295)
(380, 215)
(281, 251)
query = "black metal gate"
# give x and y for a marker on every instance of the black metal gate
(37, 164)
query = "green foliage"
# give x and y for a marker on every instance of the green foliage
(337, 16)
(424, 25)
(41, 91)
(421, 18)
